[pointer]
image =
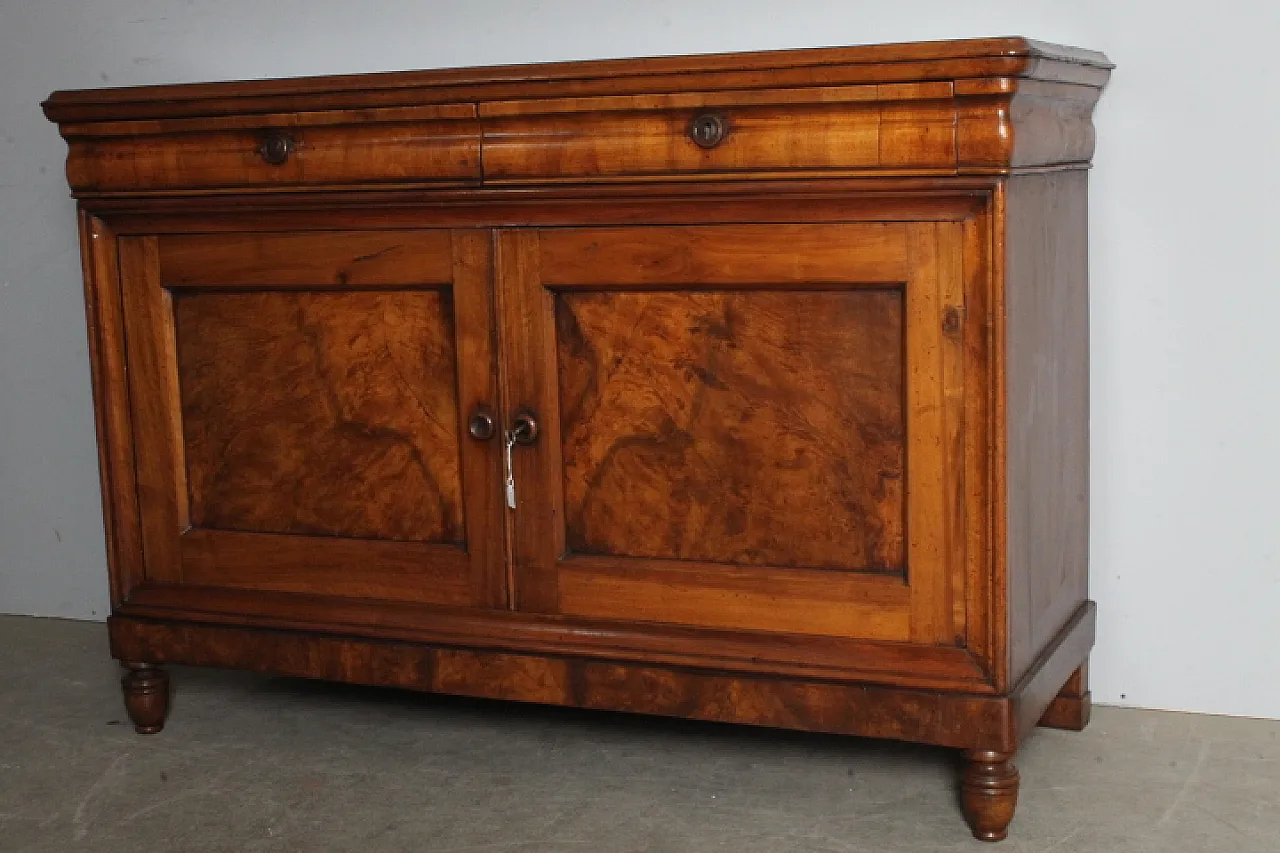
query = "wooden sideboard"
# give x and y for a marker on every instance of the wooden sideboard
(747, 387)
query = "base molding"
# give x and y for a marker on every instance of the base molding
(923, 716)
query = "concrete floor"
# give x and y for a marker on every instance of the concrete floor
(250, 763)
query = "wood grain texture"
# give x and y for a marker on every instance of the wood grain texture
(430, 152)
(357, 389)
(1064, 653)
(781, 201)
(322, 413)
(1012, 57)
(888, 244)
(154, 408)
(686, 100)
(748, 428)
(716, 595)
(1003, 123)
(525, 312)
(934, 417)
(146, 696)
(375, 569)
(989, 793)
(1072, 707)
(944, 719)
(357, 259)
(645, 141)
(1047, 364)
(807, 655)
(982, 610)
(946, 107)
(477, 357)
(116, 465)
(780, 385)
(276, 121)
(744, 255)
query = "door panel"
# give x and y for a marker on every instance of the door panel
(300, 404)
(321, 412)
(744, 426)
(694, 427)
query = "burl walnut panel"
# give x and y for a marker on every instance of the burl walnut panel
(758, 428)
(321, 413)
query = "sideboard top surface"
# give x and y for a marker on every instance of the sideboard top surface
(1010, 59)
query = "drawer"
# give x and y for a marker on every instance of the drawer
(414, 145)
(848, 129)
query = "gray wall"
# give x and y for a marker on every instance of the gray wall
(1185, 239)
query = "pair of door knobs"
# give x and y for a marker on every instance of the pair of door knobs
(524, 426)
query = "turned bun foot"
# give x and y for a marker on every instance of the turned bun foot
(146, 696)
(989, 793)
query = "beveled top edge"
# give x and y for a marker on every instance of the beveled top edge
(936, 60)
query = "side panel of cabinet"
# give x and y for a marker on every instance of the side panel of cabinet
(749, 427)
(299, 405)
(1046, 287)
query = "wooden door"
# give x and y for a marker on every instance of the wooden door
(300, 405)
(752, 426)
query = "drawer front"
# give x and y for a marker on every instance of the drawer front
(278, 156)
(719, 139)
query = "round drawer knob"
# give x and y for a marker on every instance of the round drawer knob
(481, 425)
(524, 428)
(275, 148)
(708, 130)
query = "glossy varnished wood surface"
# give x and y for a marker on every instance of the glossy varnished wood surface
(930, 717)
(150, 351)
(687, 371)
(936, 433)
(1010, 57)
(1046, 299)
(310, 399)
(348, 568)
(791, 199)
(942, 718)
(365, 153)
(989, 792)
(812, 399)
(1054, 668)
(321, 413)
(99, 252)
(645, 139)
(1073, 706)
(937, 108)
(289, 259)
(808, 655)
(754, 428)
(745, 256)
(627, 268)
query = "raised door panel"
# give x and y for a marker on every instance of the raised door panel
(694, 428)
(299, 403)
(752, 427)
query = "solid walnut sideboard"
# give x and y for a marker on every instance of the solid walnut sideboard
(747, 387)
